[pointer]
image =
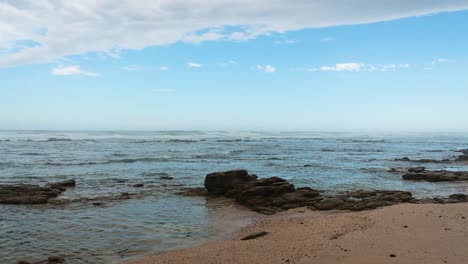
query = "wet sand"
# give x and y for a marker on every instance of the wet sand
(405, 233)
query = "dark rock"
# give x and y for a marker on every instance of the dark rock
(403, 159)
(200, 191)
(24, 262)
(125, 195)
(55, 260)
(255, 235)
(218, 183)
(26, 194)
(423, 160)
(166, 178)
(459, 196)
(138, 185)
(436, 176)
(464, 156)
(61, 186)
(274, 194)
(417, 169)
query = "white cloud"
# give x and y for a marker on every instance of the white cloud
(267, 68)
(193, 65)
(63, 28)
(286, 42)
(71, 70)
(350, 66)
(441, 60)
(130, 68)
(356, 67)
(163, 68)
(327, 39)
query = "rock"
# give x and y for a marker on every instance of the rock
(138, 185)
(166, 178)
(218, 183)
(417, 169)
(255, 235)
(24, 262)
(464, 156)
(423, 160)
(200, 191)
(26, 194)
(274, 194)
(459, 196)
(55, 259)
(403, 159)
(436, 176)
(62, 186)
(125, 195)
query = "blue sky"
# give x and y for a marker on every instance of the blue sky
(400, 72)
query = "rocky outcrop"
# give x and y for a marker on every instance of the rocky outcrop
(270, 195)
(32, 194)
(218, 183)
(421, 174)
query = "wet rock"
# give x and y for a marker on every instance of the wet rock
(255, 235)
(125, 196)
(62, 186)
(26, 194)
(459, 196)
(166, 178)
(274, 194)
(406, 159)
(464, 156)
(199, 191)
(55, 260)
(417, 169)
(23, 261)
(138, 185)
(218, 183)
(436, 175)
(270, 195)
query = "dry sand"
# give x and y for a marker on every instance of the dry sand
(404, 233)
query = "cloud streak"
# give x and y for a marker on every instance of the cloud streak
(267, 68)
(63, 28)
(193, 65)
(71, 70)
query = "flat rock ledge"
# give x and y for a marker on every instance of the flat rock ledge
(421, 174)
(32, 194)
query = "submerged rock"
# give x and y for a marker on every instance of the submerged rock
(421, 174)
(32, 194)
(423, 160)
(464, 156)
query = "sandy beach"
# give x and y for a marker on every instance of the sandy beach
(405, 233)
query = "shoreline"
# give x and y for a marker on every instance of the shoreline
(403, 233)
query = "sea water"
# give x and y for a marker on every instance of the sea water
(109, 163)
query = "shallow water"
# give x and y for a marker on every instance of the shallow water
(106, 164)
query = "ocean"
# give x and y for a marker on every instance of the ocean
(106, 164)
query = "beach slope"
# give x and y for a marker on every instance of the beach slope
(405, 233)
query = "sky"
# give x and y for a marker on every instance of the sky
(321, 65)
